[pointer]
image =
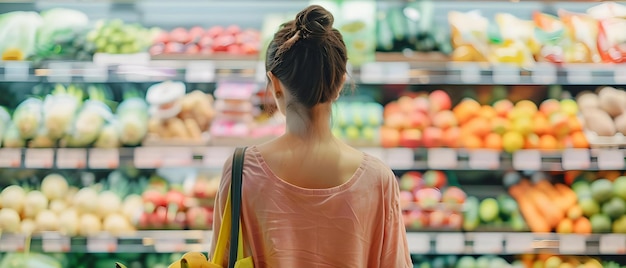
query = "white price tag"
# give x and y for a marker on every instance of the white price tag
(397, 72)
(519, 243)
(215, 157)
(619, 75)
(95, 73)
(101, 244)
(610, 160)
(572, 244)
(104, 158)
(200, 72)
(16, 71)
(451, 243)
(151, 157)
(506, 74)
(55, 242)
(71, 158)
(488, 243)
(60, 72)
(442, 158)
(470, 73)
(544, 73)
(527, 160)
(579, 75)
(261, 73)
(39, 158)
(12, 243)
(372, 73)
(170, 245)
(375, 152)
(484, 159)
(400, 158)
(419, 243)
(613, 244)
(576, 159)
(10, 157)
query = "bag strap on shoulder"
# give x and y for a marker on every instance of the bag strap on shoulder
(235, 190)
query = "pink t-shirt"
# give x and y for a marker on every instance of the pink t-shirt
(357, 224)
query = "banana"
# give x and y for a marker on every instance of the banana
(192, 260)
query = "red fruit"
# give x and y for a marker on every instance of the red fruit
(192, 49)
(207, 51)
(419, 120)
(154, 197)
(144, 221)
(410, 138)
(432, 137)
(162, 37)
(428, 198)
(174, 48)
(158, 219)
(437, 219)
(175, 197)
(205, 41)
(439, 100)
(454, 195)
(234, 49)
(250, 48)
(196, 31)
(214, 31)
(179, 222)
(180, 35)
(415, 219)
(233, 30)
(410, 181)
(222, 42)
(198, 218)
(406, 198)
(421, 104)
(157, 49)
(455, 220)
(435, 178)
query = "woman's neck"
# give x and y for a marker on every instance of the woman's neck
(309, 125)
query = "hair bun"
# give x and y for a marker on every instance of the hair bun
(314, 22)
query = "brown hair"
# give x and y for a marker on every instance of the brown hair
(309, 57)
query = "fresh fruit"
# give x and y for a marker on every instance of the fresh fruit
(614, 208)
(488, 210)
(619, 225)
(428, 198)
(410, 181)
(601, 190)
(589, 206)
(512, 141)
(454, 195)
(435, 178)
(619, 187)
(600, 223)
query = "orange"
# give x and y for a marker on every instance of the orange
(493, 141)
(500, 125)
(531, 141)
(452, 137)
(574, 124)
(479, 126)
(466, 110)
(527, 106)
(548, 142)
(579, 140)
(582, 225)
(472, 142)
(541, 125)
(487, 112)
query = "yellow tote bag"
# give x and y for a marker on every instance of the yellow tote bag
(233, 204)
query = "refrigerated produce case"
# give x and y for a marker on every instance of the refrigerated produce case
(505, 126)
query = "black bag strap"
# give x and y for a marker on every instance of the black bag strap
(235, 193)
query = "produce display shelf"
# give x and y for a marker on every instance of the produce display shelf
(397, 158)
(503, 243)
(411, 71)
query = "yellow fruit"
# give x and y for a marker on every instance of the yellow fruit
(527, 106)
(569, 107)
(191, 260)
(523, 125)
(512, 141)
(13, 54)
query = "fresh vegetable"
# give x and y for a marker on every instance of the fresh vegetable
(28, 117)
(18, 32)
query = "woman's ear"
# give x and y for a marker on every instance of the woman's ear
(275, 85)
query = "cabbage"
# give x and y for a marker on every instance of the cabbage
(58, 21)
(59, 112)
(132, 115)
(28, 117)
(12, 138)
(109, 137)
(88, 124)
(18, 30)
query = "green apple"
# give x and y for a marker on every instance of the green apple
(352, 133)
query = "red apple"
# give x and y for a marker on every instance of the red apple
(432, 137)
(389, 137)
(410, 138)
(174, 48)
(428, 198)
(214, 31)
(158, 219)
(437, 219)
(421, 104)
(415, 220)
(455, 220)
(222, 42)
(419, 120)
(234, 49)
(233, 30)
(144, 221)
(180, 35)
(435, 178)
(192, 49)
(410, 181)
(154, 197)
(196, 32)
(162, 37)
(197, 218)
(406, 198)
(454, 195)
(205, 41)
(439, 100)
(175, 197)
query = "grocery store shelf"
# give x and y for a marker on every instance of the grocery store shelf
(207, 69)
(419, 243)
(397, 158)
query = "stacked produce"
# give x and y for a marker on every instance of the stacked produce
(215, 40)
(76, 117)
(544, 260)
(117, 37)
(82, 260)
(545, 38)
(453, 261)
(358, 123)
(62, 36)
(603, 112)
(58, 207)
(428, 202)
(176, 116)
(591, 205)
(431, 121)
(491, 213)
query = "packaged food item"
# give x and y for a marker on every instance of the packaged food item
(607, 10)
(582, 30)
(519, 41)
(550, 33)
(612, 40)
(469, 34)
